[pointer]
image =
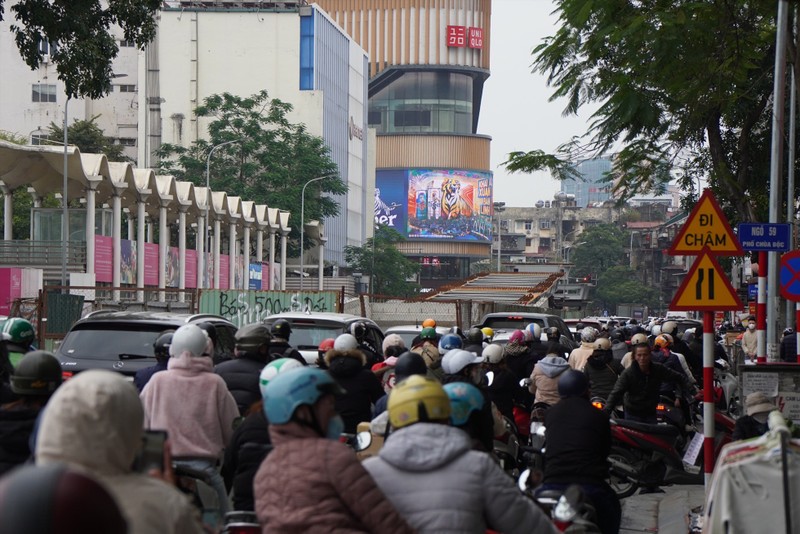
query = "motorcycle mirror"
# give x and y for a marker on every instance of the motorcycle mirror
(522, 482)
(363, 441)
(489, 378)
(525, 382)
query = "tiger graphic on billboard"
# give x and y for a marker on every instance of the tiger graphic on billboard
(453, 205)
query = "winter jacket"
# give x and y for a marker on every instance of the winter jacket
(243, 456)
(438, 484)
(17, 421)
(639, 391)
(143, 376)
(577, 358)
(603, 371)
(788, 350)
(544, 379)
(503, 390)
(747, 427)
(95, 422)
(279, 348)
(521, 361)
(750, 343)
(193, 404)
(241, 379)
(669, 360)
(578, 439)
(362, 386)
(619, 349)
(313, 485)
(557, 348)
(430, 353)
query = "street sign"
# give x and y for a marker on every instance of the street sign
(707, 227)
(789, 277)
(706, 288)
(752, 291)
(767, 237)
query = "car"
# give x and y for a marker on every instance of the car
(122, 341)
(506, 322)
(409, 332)
(309, 329)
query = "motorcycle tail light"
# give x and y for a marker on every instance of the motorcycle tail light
(562, 526)
(243, 529)
(598, 405)
(661, 408)
(66, 375)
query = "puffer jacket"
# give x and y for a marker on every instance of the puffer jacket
(603, 371)
(577, 358)
(362, 386)
(16, 424)
(544, 379)
(241, 378)
(95, 422)
(438, 484)
(243, 456)
(313, 485)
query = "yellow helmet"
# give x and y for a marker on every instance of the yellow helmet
(429, 323)
(417, 399)
(488, 332)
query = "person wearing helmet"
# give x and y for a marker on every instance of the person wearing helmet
(462, 366)
(662, 353)
(602, 369)
(554, 344)
(544, 379)
(311, 482)
(619, 348)
(474, 340)
(6, 370)
(637, 339)
(194, 405)
(360, 331)
(348, 367)
(578, 439)
(407, 364)
(393, 346)
(279, 346)
(38, 375)
(533, 338)
(578, 329)
(503, 391)
(521, 361)
(577, 358)
(95, 422)
(20, 336)
(324, 346)
(214, 348)
(252, 352)
(428, 349)
(161, 352)
(430, 473)
(429, 323)
(250, 443)
(466, 405)
(488, 334)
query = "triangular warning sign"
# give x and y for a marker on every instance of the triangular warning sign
(706, 227)
(706, 288)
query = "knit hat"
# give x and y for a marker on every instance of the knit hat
(758, 403)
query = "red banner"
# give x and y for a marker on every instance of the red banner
(150, 264)
(191, 268)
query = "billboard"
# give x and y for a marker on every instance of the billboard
(435, 203)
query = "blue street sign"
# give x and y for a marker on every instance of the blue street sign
(765, 237)
(752, 291)
(789, 276)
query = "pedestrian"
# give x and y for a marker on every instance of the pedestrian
(757, 408)
(750, 341)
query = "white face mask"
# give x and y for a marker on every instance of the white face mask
(752, 326)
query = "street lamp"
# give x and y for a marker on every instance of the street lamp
(499, 207)
(208, 200)
(64, 213)
(303, 219)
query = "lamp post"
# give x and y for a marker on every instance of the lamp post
(64, 212)
(303, 220)
(499, 207)
(208, 200)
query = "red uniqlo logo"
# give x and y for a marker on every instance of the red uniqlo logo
(476, 37)
(457, 36)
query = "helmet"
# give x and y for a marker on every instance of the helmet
(326, 344)
(638, 339)
(456, 360)
(487, 332)
(417, 399)
(689, 333)
(209, 329)
(189, 338)
(669, 327)
(359, 330)
(409, 363)
(251, 337)
(602, 343)
(788, 331)
(273, 369)
(392, 340)
(161, 345)
(493, 353)
(517, 337)
(572, 383)
(474, 335)
(288, 391)
(428, 332)
(534, 329)
(464, 399)
(281, 328)
(449, 342)
(52, 498)
(589, 334)
(579, 327)
(457, 331)
(553, 333)
(20, 331)
(617, 335)
(656, 330)
(527, 336)
(662, 341)
(38, 373)
(345, 342)
(429, 323)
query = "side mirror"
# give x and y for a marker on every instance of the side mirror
(489, 378)
(522, 481)
(363, 441)
(525, 382)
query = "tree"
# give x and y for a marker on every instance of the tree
(388, 268)
(600, 248)
(619, 285)
(681, 86)
(270, 162)
(89, 138)
(77, 35)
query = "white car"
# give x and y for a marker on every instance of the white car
(410, 331)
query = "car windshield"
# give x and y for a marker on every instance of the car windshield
(514, 322)
(109, 341)
(309, 336)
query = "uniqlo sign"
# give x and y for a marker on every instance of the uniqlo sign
(457, 36)
(476, 37)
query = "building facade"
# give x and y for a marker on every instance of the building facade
(593, 190)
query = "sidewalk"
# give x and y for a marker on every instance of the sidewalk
(665, 513)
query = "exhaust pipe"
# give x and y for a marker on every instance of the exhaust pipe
(623, 469)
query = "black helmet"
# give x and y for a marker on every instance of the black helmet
(210, 330)
(161, 345)
(281, 328)
(553, 334)
(38, 373)
(457, 331)
(251, 337)
(358, 330)
(617, 335)
(474, 335)
(573, 383)
(409, 363)
(579, 327)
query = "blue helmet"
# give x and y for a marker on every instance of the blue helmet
(288, 391)
(450, 342)
(464, 399)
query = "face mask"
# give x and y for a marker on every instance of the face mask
(751, 326)
(335, 428)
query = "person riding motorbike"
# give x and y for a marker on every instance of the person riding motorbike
(279, 346)
(554, 345)
(504, 388)
(20, 337)
(637, 339)
(543, 381)
(408, 363)
(536, 346)
(427, 348)
(372, 354)
(618, 346)
(462, 366)
(466, 404)
(324, 346)
(602, 369)
(577, 358)
(474, 342)
(253, 344)
(161, 352)
(521, 361)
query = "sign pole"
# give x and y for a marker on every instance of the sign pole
(797, 329)
(708, 395)
(761, 309)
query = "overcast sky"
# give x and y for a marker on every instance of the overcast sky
(515, 111)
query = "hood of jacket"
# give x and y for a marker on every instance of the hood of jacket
(552, 365)
(345, 363)
(424, 446)
(193, 364)
(94, 420)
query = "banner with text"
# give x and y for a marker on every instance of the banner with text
(247, 307)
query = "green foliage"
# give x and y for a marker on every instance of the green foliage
(388, 268)
(601, 247)
(80, 29)
(270, 162)
(619, 285)
(89, 138)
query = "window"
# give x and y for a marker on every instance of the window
(529, 225)
(127, 44)
(40, 139)
(544, 224)
(374, 117)
(42, 92)
(412, 118)
(127, 88)
(47, 47)
(127, 141)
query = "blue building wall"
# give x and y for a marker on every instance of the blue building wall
(593, 188)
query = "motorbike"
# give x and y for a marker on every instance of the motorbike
(241, 522)
(570, 510)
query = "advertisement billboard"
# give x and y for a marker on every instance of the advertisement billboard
(435, 203)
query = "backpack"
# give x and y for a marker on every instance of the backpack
(285, 354)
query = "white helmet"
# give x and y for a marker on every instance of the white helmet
(602, 343)
(189, 338)
(656, 330)
(589, 334)
(638, 339)
(669, 327)
(493, 353)
(535, 329)
(274, 368)
(345, 342)
(392, 340)
(455, 360)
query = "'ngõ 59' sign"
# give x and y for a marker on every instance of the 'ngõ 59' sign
(463, 36)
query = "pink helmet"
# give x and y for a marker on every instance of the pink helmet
(518, 337)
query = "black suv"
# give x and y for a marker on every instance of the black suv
(123, 341)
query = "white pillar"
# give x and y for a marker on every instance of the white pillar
(271, 257)
(90, 216)
(232, 255)
(8, 219)
(116, 233)
(182, 253)
(140, 224)
(131, 227)
(322, 242)
(149, 230)
(246, 257)
(259, 245)
(217, 239)
(284, 236)
(163, 240)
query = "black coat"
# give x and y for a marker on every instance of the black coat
(788, 350)
(249, 446)
(362, 386)
(578, 437)
(522, 364)
(282, 349)
(504, 391)
(16, 424)
(640, 392)
(603, 371)
(748, 427)
(241, 377)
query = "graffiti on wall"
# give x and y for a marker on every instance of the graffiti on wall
(247, 307)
